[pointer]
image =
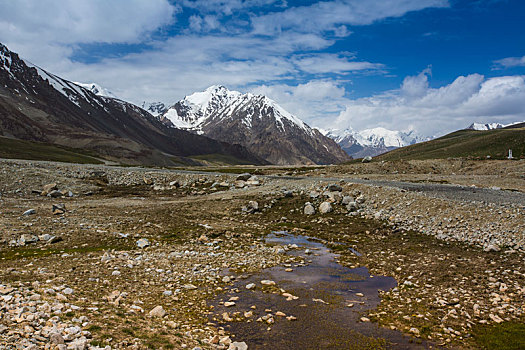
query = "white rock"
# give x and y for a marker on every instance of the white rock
(325, 208)
(158, 311)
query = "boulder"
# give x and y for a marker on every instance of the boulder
(158, 311)
(366, 159)
(325, 208)
(251, 208)
(309, 209)
(335, 188)
(143, 243)
(244, 176)
(352, 206)
(347, 200)
(29, 212)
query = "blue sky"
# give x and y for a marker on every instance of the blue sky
(428, 65)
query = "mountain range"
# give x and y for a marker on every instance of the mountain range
(36, 105)
(490, 126)
(371, 142)
(255, 122)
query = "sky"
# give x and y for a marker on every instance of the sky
(432, 66)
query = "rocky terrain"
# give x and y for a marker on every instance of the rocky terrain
(99, 257)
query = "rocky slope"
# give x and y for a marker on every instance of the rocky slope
(256, 122)
(36, 105)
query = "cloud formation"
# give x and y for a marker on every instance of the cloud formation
(331, 15)
(509, 62)
(435, 111)
(292, 53)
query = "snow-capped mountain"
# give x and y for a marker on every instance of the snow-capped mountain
(487, 126)
(36, 105)
(97, 89)
(256, 122)
(490, 126)
(154, 108)
(372, 142)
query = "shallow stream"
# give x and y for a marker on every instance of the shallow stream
(325, 289)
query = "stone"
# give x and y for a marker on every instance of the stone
(229, 303)
(239, 183)
(29, 212)
(309, 209)
(347, 200)
(58, 209)
(365, 319)
(287, 194)
(143, 243)
(236, 345)
(314, 194)
(27, 239)
(352, 206)
(244, 176)
(325, 208)
(335, 188)
(414, 331)
(268, 283)
(158, 311)
(251, 208)
(366, 159)
(492, 248)
(49, 188)
(68, 291)
(250, 286)
(55, 194)
(495, 318)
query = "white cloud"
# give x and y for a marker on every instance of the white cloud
(227, 7)
(48, 32)
(509, 62)
(430, 111)
(315, 102)
(82, 21)
(332, 63)
(330, 15)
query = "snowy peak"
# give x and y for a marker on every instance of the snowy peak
(218, 102)
(255, 122)
(489, 126)
(97, 89)
(154, 108)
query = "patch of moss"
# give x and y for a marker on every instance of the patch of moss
(505, 336)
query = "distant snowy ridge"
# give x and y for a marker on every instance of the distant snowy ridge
(371, 142)
(489, 126)
(97, 89)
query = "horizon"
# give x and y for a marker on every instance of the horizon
(432, 66)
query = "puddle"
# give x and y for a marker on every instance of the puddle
(324, 289)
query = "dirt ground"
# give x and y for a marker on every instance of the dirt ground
(85, 282)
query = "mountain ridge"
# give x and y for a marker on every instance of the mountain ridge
(256, 122)
(36, 105)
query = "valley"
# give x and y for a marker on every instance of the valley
(364, 255)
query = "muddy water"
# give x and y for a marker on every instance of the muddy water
(324, 289)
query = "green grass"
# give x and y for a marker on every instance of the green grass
(20, 253)
(20, 149)
(465, 144)
(505, 336)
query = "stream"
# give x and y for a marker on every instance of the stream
(331, 299)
